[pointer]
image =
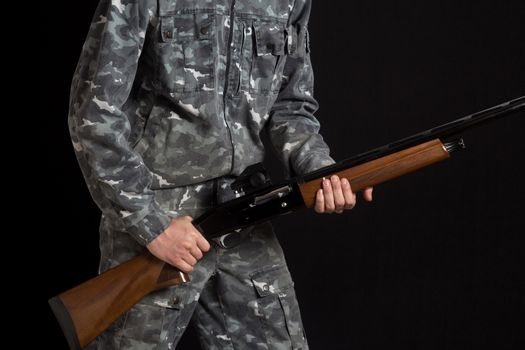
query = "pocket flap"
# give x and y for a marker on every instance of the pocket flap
(269, 38)
(273, 280)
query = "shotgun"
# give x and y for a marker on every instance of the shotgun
(90, 308)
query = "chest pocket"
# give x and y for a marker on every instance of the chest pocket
(268, 57)
(186, 52)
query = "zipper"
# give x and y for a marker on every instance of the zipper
(227, 79)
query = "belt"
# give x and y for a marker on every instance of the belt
(231, 239)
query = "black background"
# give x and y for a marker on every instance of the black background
(437, 260)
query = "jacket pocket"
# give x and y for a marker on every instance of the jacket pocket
(278, 308)
(268, 57)
(186, 52)
(142, 325)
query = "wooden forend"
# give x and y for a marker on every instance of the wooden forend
(382, 169)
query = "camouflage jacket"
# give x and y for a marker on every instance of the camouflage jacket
(175, 92)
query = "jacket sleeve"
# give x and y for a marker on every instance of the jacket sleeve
(292, 127)
(116, 176)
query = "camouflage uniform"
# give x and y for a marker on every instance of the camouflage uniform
(167, 104)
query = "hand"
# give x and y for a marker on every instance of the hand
(336, 196)
(180, 245)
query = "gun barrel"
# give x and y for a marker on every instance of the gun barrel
(439, 132)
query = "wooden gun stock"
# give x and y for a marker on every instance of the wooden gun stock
(91, 307)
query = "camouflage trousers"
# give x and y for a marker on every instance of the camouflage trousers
(241, 297)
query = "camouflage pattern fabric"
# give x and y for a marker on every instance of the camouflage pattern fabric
(168, 97)
(238, 298)
(175, 92)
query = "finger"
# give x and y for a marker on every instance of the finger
(367, 194)
(319, 202)
(339, 199)
(181, 265)
(348, 194)
(190, 259)
(329, 205)
(202, 243)
(196, 253)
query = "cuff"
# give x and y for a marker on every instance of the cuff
(150, 226)
(312, 162)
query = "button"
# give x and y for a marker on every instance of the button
(205, 30)
(168, 34)
(266, 288)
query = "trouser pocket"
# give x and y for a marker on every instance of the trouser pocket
(278, 309)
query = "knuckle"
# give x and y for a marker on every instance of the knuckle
(197, 233)
(196, 252)
(182, 265)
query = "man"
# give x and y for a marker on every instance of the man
(167, 104)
